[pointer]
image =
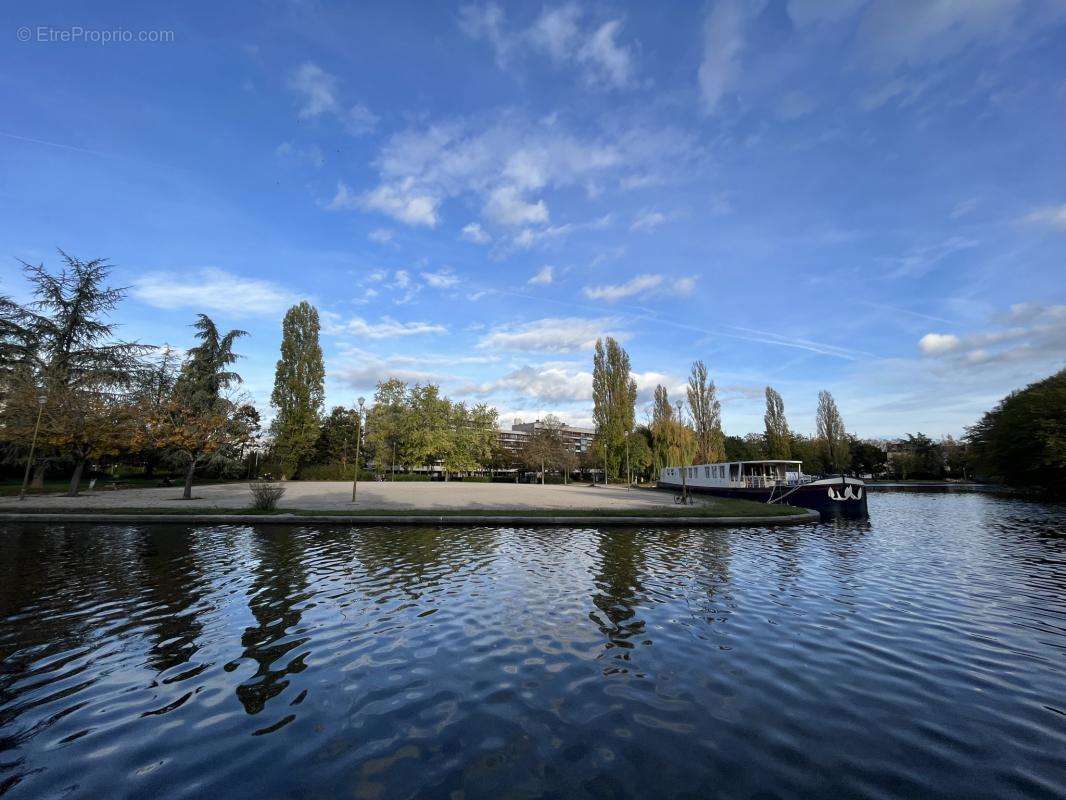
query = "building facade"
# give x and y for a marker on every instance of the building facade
(578, 439)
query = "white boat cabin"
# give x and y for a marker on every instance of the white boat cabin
(738, 474)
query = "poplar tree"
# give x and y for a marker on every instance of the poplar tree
(706, 413)
(299, 393)
(662, 416)
(831, 434)
(614, 398)
(778, 436)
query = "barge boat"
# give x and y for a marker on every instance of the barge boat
(772, 481)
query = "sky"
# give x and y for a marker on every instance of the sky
(864, 197)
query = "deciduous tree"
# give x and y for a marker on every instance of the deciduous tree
(614, 396)
(831, 433)
(778, 436)
(299, 391)
(706, 411)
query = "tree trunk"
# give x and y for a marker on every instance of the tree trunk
(38, 475)
(187, 494)
(75, 479)
(541, 473)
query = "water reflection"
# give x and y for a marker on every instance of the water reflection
(279, 589)
(618, 591)
(917, 654)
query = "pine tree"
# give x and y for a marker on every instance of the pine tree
(831, 434)
(778, 437)
(614, 397)
(299, 393)
(706, 413)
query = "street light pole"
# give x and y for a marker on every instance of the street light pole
(680, 454)
(358, 440)
(629, 473)
(33, 446)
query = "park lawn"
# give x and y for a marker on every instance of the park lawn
(720, 507)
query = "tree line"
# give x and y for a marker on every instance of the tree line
(689, 431)
(74, 394)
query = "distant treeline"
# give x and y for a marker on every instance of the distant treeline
(81, 400)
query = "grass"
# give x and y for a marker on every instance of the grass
(719, 508)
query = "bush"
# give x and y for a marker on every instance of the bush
(265, 495)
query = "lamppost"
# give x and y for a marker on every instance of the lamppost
(629, 473)
(33, 446)
(680, 454)
(358, 440)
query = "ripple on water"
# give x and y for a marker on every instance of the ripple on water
(918, 654)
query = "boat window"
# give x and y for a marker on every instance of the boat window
(706, 472)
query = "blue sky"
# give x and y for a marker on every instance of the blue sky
(868, 197)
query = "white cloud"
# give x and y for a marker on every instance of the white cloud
(385, 328)
(544, 276)
(723, 42)
(1030, 333)
(506, 206)
(611, 293)
(510, 163)
(594, 50)
(473, 232)
(317, 89)
(343, 199)
(381, 235)
(607, 61)
(359, 120)
(551, 335)
(443, 279)
(937, 343)
(641, 285)
(1053, 217)
(211, 290)
(403, 202)
(647, 221)
(893, 34)
(319, 93)
(546, 383)
(486, 22)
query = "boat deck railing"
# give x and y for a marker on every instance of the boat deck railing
(766, 482)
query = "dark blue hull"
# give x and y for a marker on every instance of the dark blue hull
(832, 498)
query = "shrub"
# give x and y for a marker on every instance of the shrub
(265, 495)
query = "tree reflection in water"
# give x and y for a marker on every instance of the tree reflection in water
(278, 591)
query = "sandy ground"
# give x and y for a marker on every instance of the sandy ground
(334, 495)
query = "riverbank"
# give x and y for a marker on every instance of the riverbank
(404, 503)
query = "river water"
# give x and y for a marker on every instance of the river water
(920, 654)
